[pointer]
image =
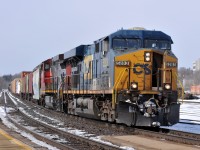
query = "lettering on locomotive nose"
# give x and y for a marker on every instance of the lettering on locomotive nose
(140, 68)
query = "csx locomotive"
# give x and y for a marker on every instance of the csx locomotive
(128, 77)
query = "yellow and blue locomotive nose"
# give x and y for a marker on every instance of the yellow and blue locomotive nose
(147, 79)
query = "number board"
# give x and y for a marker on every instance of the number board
(122, 63)
(171, 64)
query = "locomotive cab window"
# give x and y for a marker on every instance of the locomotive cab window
(46, 67)
(157, 44)
(97, 48)
(89, 50)
(105, 45)
(125, 43)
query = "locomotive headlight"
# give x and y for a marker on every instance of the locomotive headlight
(167, 86)
(147, 56)
(134, 85)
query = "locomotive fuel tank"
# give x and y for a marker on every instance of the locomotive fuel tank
(82, 102)
(87, 107)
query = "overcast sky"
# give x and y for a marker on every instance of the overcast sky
(34, 30)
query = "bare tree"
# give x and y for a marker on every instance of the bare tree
(6, 79)
(186, 76)
(196, 77)
(3, 84)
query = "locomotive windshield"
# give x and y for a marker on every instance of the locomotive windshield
(125, 43)
(46, 67)
(158, 44)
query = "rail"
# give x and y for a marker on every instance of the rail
(40, 137)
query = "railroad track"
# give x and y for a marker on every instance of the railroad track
(170, 135)
(76, 142)
(73, 142)
(40, 137)
(88, 125)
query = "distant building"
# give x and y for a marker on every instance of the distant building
(196, 65)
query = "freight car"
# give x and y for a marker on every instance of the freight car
(195, 89)
(128, 77)
(26, 85)
(15, 86)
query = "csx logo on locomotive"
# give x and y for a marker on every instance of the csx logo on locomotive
(140, 68)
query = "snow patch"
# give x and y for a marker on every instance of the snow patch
(27, 135)
(189, 113)
(15, 99)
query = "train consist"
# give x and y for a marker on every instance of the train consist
(128, 77)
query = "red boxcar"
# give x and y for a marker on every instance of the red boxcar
(15, 86)
(30, 84)
(23, 85)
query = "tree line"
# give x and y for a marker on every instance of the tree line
(6, 79)
(189, 77)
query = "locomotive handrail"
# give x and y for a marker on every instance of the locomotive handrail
(116, 84)
(119, 77)
(182, 95)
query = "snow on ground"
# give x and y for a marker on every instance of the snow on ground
(190, 100)
(189, 113)
(27, 135)
(192, 128)
(77, 132)
(14, 99)
(5, 98)
(52, 119)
